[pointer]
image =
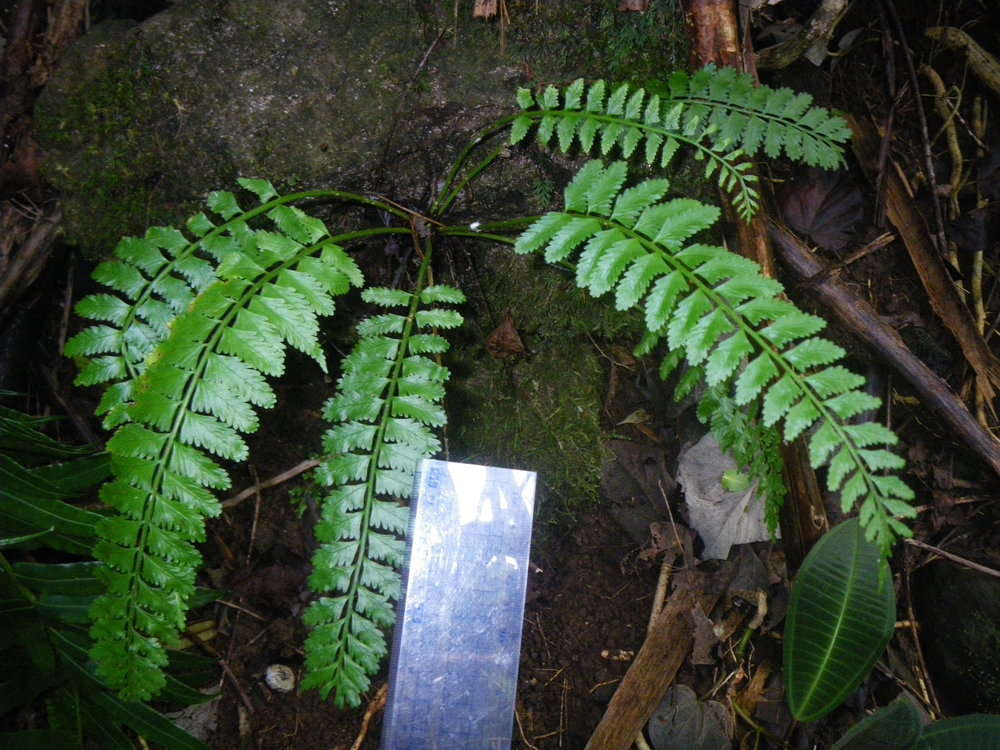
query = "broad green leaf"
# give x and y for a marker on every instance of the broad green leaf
(840, 618)
(980, 731)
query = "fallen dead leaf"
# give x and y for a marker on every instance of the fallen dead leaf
(705, 637)
(721, 518)
(824, 205)
(505, 341)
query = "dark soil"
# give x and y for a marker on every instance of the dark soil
(588, 602)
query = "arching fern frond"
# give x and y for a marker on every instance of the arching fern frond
(728, 319)
(718, 113)
(387, 404)
(190, 399)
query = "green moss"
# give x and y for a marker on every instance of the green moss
(540, 410)
(102, 132)
(596, 40)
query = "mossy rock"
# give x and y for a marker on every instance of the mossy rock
(104, 127)
(539, 409)
(142, 120)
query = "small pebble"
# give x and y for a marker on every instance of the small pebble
(281, 678)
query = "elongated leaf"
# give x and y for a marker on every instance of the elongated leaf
(840, 619)
(893, 727)
(980, 731)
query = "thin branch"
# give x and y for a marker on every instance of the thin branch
(953, 557)
(272, 482)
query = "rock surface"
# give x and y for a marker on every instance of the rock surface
(141, 120)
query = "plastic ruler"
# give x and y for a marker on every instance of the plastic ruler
(453, 669)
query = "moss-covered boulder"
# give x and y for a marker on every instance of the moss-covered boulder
(142, 119)
(541, 408)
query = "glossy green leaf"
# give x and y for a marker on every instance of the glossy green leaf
(893, 727)
(979, 731)
(839, 621)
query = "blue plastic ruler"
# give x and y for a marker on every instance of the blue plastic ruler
(453, 670)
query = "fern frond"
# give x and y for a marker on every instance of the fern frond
(187, 394)
(718, 113)
(387, 402)
(753, 446)
(728, 320)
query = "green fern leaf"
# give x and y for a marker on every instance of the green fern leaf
(388, 397)
(705, 335)
(539, 233)
(592, 252)
(726, 358)
(662, 298)
(631, 203)
(569, 237)
(611, 264)
(716, 310)
(637, 279)
(573, 94)
(184, 357)
(718, 113)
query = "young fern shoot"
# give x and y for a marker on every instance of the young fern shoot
(388, 401)
(728, 320)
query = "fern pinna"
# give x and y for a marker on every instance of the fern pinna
(199, 324)
(387, 402)
(721, 114)
(728, 320)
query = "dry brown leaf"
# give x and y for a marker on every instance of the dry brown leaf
(505, 341)
(704, 637)
(485, 8)
(753, 693)
(824, 205)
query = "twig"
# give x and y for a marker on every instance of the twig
(376, 704)
(862, 319)
(81, 424)
(662, 582)
(242, 609)
(524, 737)
(953, 557)
(256, 513)
(236, 684)
(923, 677)
(272, 482)
(30, 259)
(666, 568)
(938, 235)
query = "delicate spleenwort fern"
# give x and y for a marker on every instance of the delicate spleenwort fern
(198, 319)
(752, 445)
(719, 310)
(187, 351)
(388, 399)
(721, 114)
